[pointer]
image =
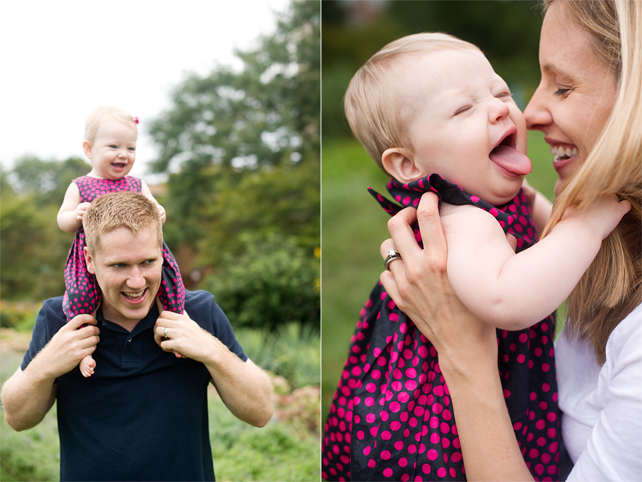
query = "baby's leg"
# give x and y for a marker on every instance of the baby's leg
(87, 366)
(82, 294)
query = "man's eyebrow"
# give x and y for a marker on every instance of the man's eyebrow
(115, 261)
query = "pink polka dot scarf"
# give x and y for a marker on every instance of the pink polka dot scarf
(391, 417)
(82, 293)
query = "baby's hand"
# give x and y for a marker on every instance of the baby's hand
(80, 211)
(603, 214)
(161, 213)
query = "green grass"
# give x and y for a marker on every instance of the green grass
(286, 449)
(353, 227)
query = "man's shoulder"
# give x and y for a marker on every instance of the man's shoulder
(198, 298)
(202, 308)
(52, 309)
(201, 304)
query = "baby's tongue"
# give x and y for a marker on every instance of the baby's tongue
(511, 159)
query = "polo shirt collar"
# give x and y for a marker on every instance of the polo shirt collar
(144, 324)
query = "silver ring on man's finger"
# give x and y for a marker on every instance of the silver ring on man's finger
(165, 333)
(392, 255)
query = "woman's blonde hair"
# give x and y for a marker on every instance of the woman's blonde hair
(100, 115)
(371, 103)
(610, 288)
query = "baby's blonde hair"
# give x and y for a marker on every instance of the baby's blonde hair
(371, 103)
(100, 115)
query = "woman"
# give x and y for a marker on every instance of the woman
(589, 106)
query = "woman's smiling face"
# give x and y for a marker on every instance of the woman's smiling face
(576, 93)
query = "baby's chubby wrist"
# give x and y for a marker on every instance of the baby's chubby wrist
(598, 218)
(581, 224)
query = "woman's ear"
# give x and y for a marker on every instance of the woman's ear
(399, 162)
(87, 148)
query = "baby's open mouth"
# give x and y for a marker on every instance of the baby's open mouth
(508, 141)
(562, 153)
(506, 156)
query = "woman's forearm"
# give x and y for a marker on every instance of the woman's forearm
(485, 431)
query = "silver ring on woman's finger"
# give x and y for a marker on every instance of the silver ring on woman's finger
(392, 255)
(165, 333)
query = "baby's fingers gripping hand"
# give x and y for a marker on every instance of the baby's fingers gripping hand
(81, 210)
(161, 213)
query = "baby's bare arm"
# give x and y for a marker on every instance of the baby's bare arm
(148, 194)
(71, 211)
(512, 291)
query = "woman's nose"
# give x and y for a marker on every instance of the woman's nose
(537, 115)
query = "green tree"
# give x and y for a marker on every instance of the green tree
(266, 114)
(271, 284)
(47, 180)
(33, 249)
(241, 147)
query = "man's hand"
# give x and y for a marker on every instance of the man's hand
(66, 348)
(244, 388)
(28, 395)
(183, 336)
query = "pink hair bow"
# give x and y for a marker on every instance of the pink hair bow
(136, 120)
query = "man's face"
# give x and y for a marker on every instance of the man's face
(128, 270)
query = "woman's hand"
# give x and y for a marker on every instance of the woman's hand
(466, 346)
(418, 283)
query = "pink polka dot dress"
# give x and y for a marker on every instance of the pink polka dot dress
(82, 293)
(392, 418)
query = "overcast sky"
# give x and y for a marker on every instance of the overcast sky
(61, 59)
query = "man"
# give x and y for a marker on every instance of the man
(143, 414)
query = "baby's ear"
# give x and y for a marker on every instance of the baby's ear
(399, 162)
(87, 148)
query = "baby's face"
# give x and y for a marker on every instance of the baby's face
(463, 123)
(113, 151)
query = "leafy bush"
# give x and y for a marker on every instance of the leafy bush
(292, 352)
(18, 315)
(286, 449)
(300, 410)
(274, 282)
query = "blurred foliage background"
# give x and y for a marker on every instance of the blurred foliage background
(240, 149)
(352, 222)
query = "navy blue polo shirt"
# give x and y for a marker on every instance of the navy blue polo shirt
(142, 415)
